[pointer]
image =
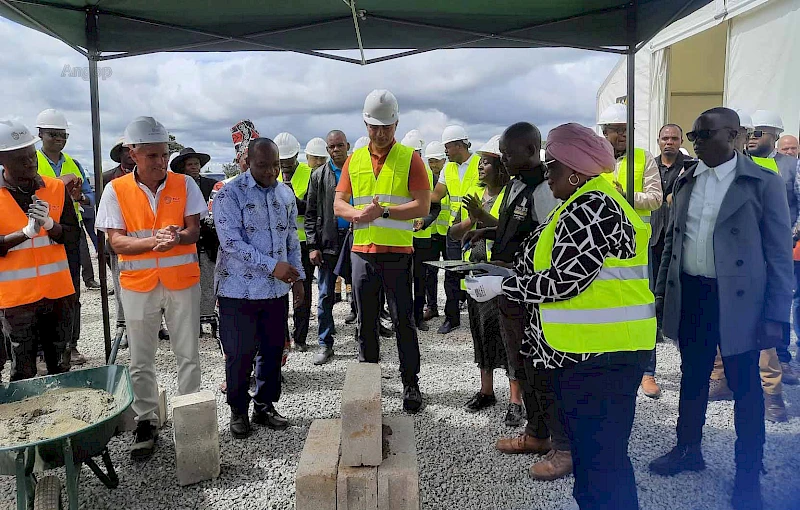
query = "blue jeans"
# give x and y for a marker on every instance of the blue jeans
(327, 286)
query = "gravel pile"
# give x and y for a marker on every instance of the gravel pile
(459, 467)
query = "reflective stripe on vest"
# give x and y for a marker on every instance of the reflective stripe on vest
(36, 268)
(426, 232)
(617, 311)
(68, 167)
(391, 187)
(443, 221)
(300, 179)
(456, 187)
(620, 175)
(768, 163)
(177, 268)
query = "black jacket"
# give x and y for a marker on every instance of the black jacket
(321, 229)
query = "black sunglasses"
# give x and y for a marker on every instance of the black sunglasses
(56, 134)
(758, 133)
(704, 134)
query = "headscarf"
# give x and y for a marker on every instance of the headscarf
(241, 134)
(581, 149)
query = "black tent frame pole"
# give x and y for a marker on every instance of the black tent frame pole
(631, 103)
(94, 92)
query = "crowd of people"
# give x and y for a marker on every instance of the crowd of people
(585, 282)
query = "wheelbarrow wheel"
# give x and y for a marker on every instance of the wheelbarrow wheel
(48, 494)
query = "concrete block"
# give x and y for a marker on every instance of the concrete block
(127, 420)
(361, 415)
(398, 474)
(315, 481)
(357, 488)
(162, 407)
(194, 419)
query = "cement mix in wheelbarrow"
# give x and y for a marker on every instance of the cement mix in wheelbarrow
(53, 413)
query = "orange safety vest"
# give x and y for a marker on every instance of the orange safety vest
(38, 268)
(177, 268)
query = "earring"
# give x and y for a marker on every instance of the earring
(577, 179)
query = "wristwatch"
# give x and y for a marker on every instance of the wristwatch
(385, 212)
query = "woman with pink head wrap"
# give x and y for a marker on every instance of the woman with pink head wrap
(582, 276)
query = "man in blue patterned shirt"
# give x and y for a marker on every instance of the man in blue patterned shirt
(258, 263)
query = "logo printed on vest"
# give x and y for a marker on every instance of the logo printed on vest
(169, 200)
(521, 211)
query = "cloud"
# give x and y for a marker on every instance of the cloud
(199, 96)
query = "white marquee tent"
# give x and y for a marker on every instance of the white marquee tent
(736, 53)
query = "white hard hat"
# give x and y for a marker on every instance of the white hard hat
(171, 157)
(380, 108)
(745, 120)
(686, 152)
(288, 146)
(767, 118)
(414, 140)
(51, 119)
(14, 135)
(145, 130)
(491, 147)
(617, 113)
(435, 150)
(361, 142)
(317, 147)
(454, 134)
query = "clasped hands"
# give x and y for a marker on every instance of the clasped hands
(167, 238)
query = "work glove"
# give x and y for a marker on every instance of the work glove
(33, 227)
(40, 210)
(484, 288)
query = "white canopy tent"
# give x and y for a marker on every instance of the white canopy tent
(736, 53)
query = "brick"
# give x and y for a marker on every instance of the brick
(398, 474)
(361, 415)
(127, 420)
(194, 419)
(357, 488)
(315, 481)
(162, 407)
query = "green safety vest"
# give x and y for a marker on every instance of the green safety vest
(300, 179)
(639, 157)
(426, 233)
(68, 167)
(443, 220)
(769, 163)
(391, 187)
(456, 187)
(494, 212)
(617, 311)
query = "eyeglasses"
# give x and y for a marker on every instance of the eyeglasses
(758, 133)
(56, 134)
(705, 134)
(547, 164)
(620, 130)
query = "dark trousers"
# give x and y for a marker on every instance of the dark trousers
(302, 314)
(422, 253)
(392, 272)
(784, 356)
(88, 225)
(655, 264)
(538, 386)
(87, 269)
(698, 337)
(452, 285)
(438, 249)
(249, 327)
(72, 339)
(46, 323)
(327, 286)
(650, 364)
(597, 402)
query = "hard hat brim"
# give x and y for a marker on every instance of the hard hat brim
(287, 155)
(22, 145)
(435, 156)
(316, 155)
(372, 121)
(455, 140)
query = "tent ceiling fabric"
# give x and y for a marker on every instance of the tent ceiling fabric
(309, 26)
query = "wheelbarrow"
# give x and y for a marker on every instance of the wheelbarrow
(29, 461)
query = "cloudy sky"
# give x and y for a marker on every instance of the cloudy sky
(199, 96)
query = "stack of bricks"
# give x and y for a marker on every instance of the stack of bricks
(363, 461)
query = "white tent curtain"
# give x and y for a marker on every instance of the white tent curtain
(659, 102)
(762, 61)
(615, 87)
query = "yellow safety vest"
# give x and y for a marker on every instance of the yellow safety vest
(617, 311)
(494, 212)
(443, 220)
(639, 157)
(391, 187)
(68, 167)
(426, 233)
(456, 187)
(300, 178)
(769, 163)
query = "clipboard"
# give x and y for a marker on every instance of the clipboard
(471, 268)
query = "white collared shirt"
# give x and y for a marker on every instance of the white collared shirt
(462, 170)
(710, 187)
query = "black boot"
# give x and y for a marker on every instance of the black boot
(681, 458)
(240, 425)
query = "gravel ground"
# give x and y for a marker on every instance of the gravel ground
(459, 467)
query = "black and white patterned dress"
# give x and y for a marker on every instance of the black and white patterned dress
(590, 229)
